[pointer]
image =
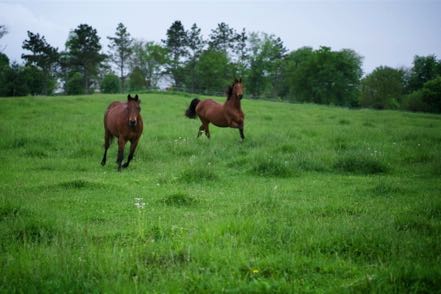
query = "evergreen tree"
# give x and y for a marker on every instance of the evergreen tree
(176, 45)
(120, 50)
(222, 38)
(44, 57)
(3, 31)
(196, 45)
(83, 55)
(241, 53)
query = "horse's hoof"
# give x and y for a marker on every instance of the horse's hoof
(125, 165)
(103, 163)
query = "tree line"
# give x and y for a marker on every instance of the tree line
(191, 63)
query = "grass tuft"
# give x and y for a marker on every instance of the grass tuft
(360, 163)
(197, 175)
(179, 199)
(79, 184)
(271, 167)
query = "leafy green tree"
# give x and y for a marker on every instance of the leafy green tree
(110, 84)
(44, 57)
(382, 89)
(14, 81)
(150, 58)
(424, 69)
(324, 76)
(83, 55)
(212, 71)
(267, 52)
(137, 80)
(36, 80)
(120, 50)
(293, 65)
(176, 45)
(4, 70)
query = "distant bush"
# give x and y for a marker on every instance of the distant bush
(137, 80)
(414, 102)
(110, 84)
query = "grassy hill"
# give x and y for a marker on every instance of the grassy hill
(317, 199)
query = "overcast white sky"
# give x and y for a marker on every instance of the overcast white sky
(383, 32)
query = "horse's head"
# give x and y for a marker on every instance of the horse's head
(237, 89)
(133, 109)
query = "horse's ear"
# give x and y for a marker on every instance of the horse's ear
(129, 97)
(136, 97)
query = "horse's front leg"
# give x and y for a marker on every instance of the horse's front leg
(121, 145)
(133, 144)
(238, 125)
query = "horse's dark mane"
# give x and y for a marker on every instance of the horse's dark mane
(230, 90)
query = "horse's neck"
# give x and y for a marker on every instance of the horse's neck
(233, 102)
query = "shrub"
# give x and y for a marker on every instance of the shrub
(431, 95)
(75, 84)
(414, 102)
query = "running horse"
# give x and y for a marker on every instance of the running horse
(123, 121)
(224, 115)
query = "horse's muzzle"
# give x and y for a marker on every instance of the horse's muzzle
(132, 123)
(240, 96)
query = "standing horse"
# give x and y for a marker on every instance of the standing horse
(124, 121)
(224, 115)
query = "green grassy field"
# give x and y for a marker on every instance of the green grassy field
(317, 199)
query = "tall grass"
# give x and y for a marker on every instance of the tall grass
(316, 199)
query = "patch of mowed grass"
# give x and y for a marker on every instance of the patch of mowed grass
(307, 207)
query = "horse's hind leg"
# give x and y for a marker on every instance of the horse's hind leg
(207, 131)
(107, 141)
(204, 129)
(133, 145)
(121, 145)
(242, 137)
(201, 130)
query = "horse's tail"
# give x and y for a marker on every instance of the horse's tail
(191, 110)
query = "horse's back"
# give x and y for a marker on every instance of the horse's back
(212, 111)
